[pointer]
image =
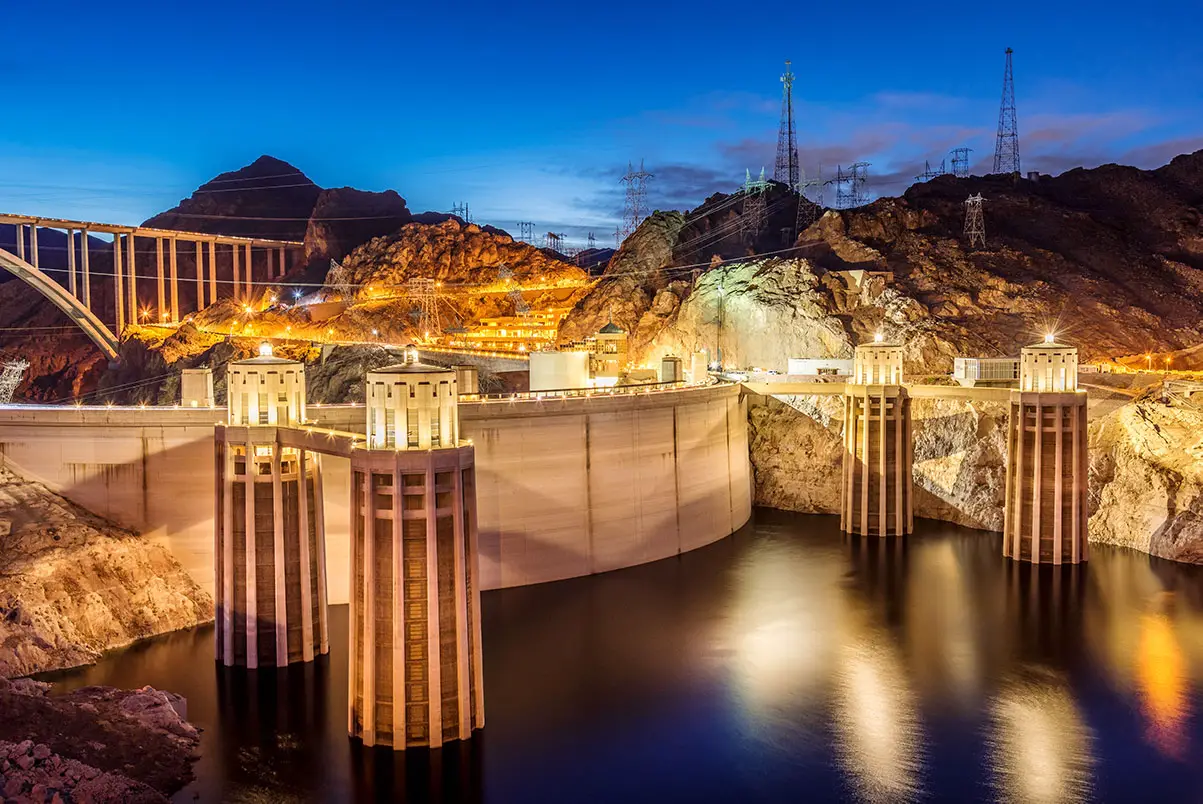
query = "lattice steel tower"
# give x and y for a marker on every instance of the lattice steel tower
(1006, 149)
(786, 170)
(14, 371)
(636, 206)
(850, 185)
(960, 162)
(528, 231)
(752, 216)
(975, 224)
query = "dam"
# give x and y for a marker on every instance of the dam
(637, 476)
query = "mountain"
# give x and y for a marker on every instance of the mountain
(1110, 258)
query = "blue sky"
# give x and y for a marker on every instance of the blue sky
(531, 112)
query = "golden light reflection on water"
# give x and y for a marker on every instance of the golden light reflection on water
(1160, 673)
(878, 733)
(1041, 747)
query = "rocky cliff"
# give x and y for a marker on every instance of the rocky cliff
(73, 585)
(1146, 477)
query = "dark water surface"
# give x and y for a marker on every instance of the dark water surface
(787, 663)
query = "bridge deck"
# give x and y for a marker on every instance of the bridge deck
(145, 231)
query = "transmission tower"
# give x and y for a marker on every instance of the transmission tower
(617, 238)
(10, 378)
(850, 185)
(808, 211)
(1006, 148)
(528, 231)
(505, 275)
(960, 162)
(592, 241)
(636, 206)
(425, 294)
(930, 173)
(786, 169)
(752, 218)
(975, 225)
(461, 210)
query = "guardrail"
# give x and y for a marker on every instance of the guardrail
(578, 393)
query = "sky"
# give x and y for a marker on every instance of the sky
(532, 111)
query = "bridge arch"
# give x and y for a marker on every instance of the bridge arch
(84, 318)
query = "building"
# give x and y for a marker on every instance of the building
(819, 367)
(975, 372)
(1047, 484)
(558, 371)
(517, 333)
(876, 493)
(416, 672)
(270, 567)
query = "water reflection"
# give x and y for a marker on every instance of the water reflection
(786, 661)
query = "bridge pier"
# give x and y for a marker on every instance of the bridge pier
(416, 670)
(1046, 510)
(270, 543)
(876, 492)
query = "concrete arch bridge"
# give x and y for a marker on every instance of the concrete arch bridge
(221, 267)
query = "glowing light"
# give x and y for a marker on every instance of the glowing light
(296, 294)
(273, 298)
(246, 308)
(265, 349)
(1050, 338)
(878, 337)
(145, 314)
(375, 333)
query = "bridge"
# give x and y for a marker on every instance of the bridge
(235, 267)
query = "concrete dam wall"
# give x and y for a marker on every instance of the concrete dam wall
(565, 487)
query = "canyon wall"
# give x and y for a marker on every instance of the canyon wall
(73, 585)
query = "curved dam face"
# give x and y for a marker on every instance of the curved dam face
(565, 487)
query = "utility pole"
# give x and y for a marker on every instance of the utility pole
(636, 204)
(752, 216)
(786, 169)
(975, 225)
(1006, 148)
(960, 162)
(528, 231)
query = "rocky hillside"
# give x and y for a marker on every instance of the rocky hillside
(1111, 258)
(73, 585)
(268, 198)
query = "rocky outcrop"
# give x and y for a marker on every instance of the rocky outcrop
(635, 281)
(345, 218)
(959, 457)
(73, 585)
(97, 744)
(452, 252)
(1146, 478)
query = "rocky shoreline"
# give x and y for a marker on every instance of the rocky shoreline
(97, 744)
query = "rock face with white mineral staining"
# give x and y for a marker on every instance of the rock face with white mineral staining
(73, 585)
(959, 457)
(1146, 478)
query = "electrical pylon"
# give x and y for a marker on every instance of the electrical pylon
(636, 205)
(849, 186)
(424, 292)
(752, 216)
(505, 274)
(528, 231)
(975, 224)
(10, 378)
(1006, 148)
(808, 211)
(960, 162)
(930, 173)
(786, 169)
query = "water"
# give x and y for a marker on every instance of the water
(786, 663)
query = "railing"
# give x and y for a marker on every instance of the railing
(582, 393)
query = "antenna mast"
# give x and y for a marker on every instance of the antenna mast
(786, 169)
(1006, 149)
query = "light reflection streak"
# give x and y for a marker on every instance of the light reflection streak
(1041, 745)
